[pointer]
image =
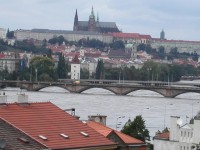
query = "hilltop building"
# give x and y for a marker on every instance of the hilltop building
(2, 33)
(162, 35)
(94, 25)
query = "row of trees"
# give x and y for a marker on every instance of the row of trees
(161, 53)
(92, 43)
(149, 72)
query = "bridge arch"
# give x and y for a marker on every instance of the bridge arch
(153, 90)
(46, 86)
(89, 87)
(185, 92)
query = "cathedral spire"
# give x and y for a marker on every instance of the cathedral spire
(97, 17)
(76, 21)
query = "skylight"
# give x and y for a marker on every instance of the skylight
(85, 134)
(64, 135)
(43, 137)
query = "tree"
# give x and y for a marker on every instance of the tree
(99, 69)
(84, 73)
(10, 34)
(116, 45)
(44, 66)
(136, 128)
(61, 69)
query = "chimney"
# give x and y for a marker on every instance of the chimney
(98, 118)
(3, 99)
(22, 98)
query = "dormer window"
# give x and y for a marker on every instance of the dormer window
(64, 135)
(43, 137)
(84, 134)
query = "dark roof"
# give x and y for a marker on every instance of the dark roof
(12, 138)
(99, 24)
(119, 54)
(47, 120)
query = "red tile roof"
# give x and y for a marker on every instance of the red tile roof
(48, 120)
(162, 136)
(131, 35)
(106, 131)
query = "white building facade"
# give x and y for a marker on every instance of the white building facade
(75, 69)
(180, 137)
(2, 33)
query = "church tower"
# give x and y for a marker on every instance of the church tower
(162, 35)
(76, 22)
(92, 22)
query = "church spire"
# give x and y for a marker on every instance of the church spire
(97, 17)
(76, 21)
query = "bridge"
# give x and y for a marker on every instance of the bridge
(119, 88)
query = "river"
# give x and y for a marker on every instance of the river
(155, 109)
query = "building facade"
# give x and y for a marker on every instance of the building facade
(2, 33)
(180, 137)
(75, 68)
(94, 25)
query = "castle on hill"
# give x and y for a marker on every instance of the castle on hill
(94, 25)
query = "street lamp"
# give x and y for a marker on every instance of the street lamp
(193, 107)
(119, 75)
(119, 123)
(36, 74)
(148, 69)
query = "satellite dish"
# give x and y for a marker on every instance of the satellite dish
(2, 143)
(97, 119)
(179, 122)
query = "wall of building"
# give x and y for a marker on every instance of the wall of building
(75, 71)
(182, 46)
(2, 33)
(70, 36)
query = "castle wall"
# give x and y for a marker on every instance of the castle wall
(71, 36)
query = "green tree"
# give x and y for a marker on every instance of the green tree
(44, 66)
(61, 69)
(116, 45)
(136, 128)
(84, 73)
(99, 69)
(10, 34)
(196, 146)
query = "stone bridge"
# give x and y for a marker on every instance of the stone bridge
(163, 88)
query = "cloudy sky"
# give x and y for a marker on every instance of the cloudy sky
(180, 19)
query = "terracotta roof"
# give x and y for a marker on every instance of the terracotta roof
(131, 35)
(75, 60)
(106, 131)
(49, 121)
(164, 136)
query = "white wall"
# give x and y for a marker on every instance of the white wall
(75, 71)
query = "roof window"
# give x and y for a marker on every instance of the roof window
(84, 134)
(43, 137)
(64, 135)
(23, 140)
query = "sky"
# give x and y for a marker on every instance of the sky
(180, 19)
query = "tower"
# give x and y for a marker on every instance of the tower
(162, 35)
(92, 22)
(76, 22)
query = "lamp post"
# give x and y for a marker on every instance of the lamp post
(148, 70)
(120, 117)
(193, 107)
(119, 76)
(36, 74)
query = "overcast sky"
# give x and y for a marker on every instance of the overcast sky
(180, 19)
